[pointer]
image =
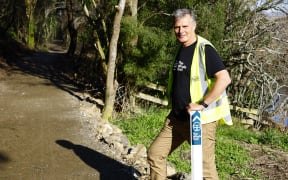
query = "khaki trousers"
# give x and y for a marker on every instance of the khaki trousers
(173, 134)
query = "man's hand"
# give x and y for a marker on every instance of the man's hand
(194, 107)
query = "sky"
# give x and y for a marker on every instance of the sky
(273, 12)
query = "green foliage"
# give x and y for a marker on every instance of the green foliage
(149, 59)
(232, 158)
(211, 28)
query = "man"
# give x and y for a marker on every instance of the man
(197, 82)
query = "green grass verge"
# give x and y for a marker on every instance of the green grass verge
(232, 159)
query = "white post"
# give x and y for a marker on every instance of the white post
(196, 146)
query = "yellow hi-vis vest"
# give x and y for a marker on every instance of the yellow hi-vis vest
(200, 84)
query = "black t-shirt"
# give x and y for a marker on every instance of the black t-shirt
(181, 76)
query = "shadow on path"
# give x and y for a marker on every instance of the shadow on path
(4, 158)
(109, 169)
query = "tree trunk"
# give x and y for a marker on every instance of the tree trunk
(31, 30)
(97, 43)
(132, 6)
(101, 52)
(71, 29)
(111, 84)
(30, 5)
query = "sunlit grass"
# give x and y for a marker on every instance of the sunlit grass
(232, 159)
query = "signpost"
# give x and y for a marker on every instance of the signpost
(196, 146)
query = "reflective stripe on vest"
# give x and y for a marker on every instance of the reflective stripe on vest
(200, 84)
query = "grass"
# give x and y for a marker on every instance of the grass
(232, 159)
(142, 128)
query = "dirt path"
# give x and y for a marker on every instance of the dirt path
(44, 135)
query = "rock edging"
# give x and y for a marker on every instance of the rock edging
(118, 146)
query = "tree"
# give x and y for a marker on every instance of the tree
(94, 22)
(13, 19)
(111, 83)
(253, 51)
(30, 7)
(72, 30)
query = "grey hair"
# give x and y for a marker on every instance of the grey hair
(179, 13)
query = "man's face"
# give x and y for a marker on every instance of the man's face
(184, 29)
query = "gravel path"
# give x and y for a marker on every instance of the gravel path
(44, 134)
